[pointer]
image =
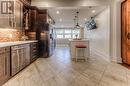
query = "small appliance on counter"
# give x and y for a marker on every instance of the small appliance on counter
(24, 38)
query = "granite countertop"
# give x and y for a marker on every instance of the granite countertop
(5, 44)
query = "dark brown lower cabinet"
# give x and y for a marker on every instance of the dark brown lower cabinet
(20, 57)
(27, 54)
(34, 51)
(4, 64)
(15, 58)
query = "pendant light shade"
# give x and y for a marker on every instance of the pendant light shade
(77, 26)
(76, 21)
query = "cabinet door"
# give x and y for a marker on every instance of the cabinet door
(7, 65)
(15, 62)
(18, 15)
(22, 54)
(21, 59)
(4, 64)
(2, 68)
(27, 54)
(15, 19)
(5, 18)
(26, 2)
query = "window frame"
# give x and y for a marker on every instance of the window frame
(71, 33)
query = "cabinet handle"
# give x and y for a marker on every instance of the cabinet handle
(128, 35)
(5, 65)
(18, 57)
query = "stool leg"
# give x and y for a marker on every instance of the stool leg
(75, 54)
(76, 59)
(84, 55)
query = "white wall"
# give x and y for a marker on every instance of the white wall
(100, 38)
(115, 31)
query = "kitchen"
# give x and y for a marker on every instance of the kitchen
(41, 42)
(21, 42)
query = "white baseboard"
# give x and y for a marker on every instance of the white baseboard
(100, 54)
(114, 59)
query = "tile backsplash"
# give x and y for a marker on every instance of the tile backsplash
(7, 35)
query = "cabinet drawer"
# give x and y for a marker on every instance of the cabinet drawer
(4, 49)
(14, 47)
(7, 49)
(34, 51)
(18, 47)
(34, 45)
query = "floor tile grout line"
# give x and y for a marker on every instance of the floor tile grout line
(39, 73)
(102, 75)
(127, 78)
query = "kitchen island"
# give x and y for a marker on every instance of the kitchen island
(74, 42)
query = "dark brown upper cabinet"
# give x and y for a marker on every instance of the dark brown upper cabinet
(26, 2)
(30, 22)
(18, 16)
(12, 18)
(45, 17)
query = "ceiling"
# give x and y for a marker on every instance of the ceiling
(66, 15)
(68, 8)
(70, 3)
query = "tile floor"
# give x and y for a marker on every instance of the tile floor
(59, 70)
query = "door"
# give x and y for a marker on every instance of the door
(126, 32)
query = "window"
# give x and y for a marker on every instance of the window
(59, 36)
(75, 33)
(68, 36)
(67, 33)
(59, 31)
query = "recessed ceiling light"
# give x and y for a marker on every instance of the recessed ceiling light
(93, 11)
(47, 5)
(57, 12)
(60, 20)
(85, 19)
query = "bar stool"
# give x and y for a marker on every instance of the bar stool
(82, 49)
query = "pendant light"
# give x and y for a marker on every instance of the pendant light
(77, 26)
(75, 23)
